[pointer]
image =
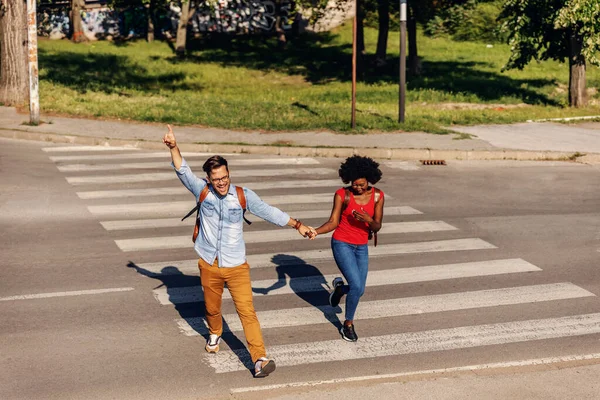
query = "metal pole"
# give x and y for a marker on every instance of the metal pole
(402, 96)
(354, 29)
(32, 57)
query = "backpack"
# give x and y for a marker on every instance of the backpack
(372, 235)
(241, 197)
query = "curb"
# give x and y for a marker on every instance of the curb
(335, 152)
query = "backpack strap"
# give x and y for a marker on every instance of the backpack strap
(201, 198)
(377, 198)
(242, 200)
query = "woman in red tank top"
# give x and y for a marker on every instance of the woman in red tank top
(355, 213)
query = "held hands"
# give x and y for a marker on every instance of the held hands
(312, 233)
(304, 230)
(169, 138)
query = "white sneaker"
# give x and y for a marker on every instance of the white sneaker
(263, 367)
(212, 344)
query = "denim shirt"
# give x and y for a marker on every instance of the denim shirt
(221, 223)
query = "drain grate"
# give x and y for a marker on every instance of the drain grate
(433, 162)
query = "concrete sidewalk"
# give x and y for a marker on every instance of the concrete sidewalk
(526, 141)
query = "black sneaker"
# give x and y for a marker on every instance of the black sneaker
(338, 292)
(348, 333)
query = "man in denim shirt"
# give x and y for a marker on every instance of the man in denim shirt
(220, 245)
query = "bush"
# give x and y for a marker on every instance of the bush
(471, 21)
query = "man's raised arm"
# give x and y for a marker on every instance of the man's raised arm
(169, 140)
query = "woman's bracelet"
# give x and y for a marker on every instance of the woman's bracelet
(298, 224)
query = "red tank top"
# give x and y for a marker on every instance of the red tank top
(350, 230)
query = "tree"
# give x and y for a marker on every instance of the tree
(558, 30)
(181, 42)
(76, 21)
(14, 83)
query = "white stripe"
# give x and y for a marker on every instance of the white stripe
(63, 294)
(176, 222)
(191, 294)
(275, 235)
(167, 176)
(182, 207)
(440, 371)
(87, 148)
(140, 155)
(403, 165)
(311, 256)
(165, 165)
(105, 194)
(414, 342)
(397, 307)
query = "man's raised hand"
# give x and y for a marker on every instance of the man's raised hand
(169, 138)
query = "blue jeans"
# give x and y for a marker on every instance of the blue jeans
(353, 262)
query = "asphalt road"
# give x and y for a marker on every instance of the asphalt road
(79, 321)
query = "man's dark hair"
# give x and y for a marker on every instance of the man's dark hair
(357, 167)
(214, 162)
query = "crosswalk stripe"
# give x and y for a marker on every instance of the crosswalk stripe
(190, 267)
(134, 156)
(146, 192)
(59, 149)
(176, 222)
(396, 307)
(64, 294)
(165, 165)
(403, 165)
(429, 372)
(274, 235)
(192, 294)
(182, 207)
(167, 176)
(414, 342)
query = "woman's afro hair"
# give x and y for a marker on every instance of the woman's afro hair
(357, 167)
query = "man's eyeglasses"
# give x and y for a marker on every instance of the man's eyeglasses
(222, 179)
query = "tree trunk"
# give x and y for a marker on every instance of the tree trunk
(414, 63)
(360, 28)
(77, 24)
(150, 9)
(577, 91)
(180, 44)
(14, 72)
(383, 9)
(281, 39)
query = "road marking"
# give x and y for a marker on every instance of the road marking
(165, 165)
(88, 148)
(287, 285)
(176, 190)
(396, 307)
(272, 260)
(167, 176)
(440, 371)
(128, 224)
(139, 155)
(182, 207)
(414, 342)
(403, 165)
(164, 176)
(275, 235)
(64, 294)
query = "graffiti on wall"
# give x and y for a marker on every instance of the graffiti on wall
(226, 16)
(240, 16)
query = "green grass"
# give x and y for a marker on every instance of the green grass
(247, 84)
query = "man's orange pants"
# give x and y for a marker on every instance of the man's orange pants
(238, 282)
